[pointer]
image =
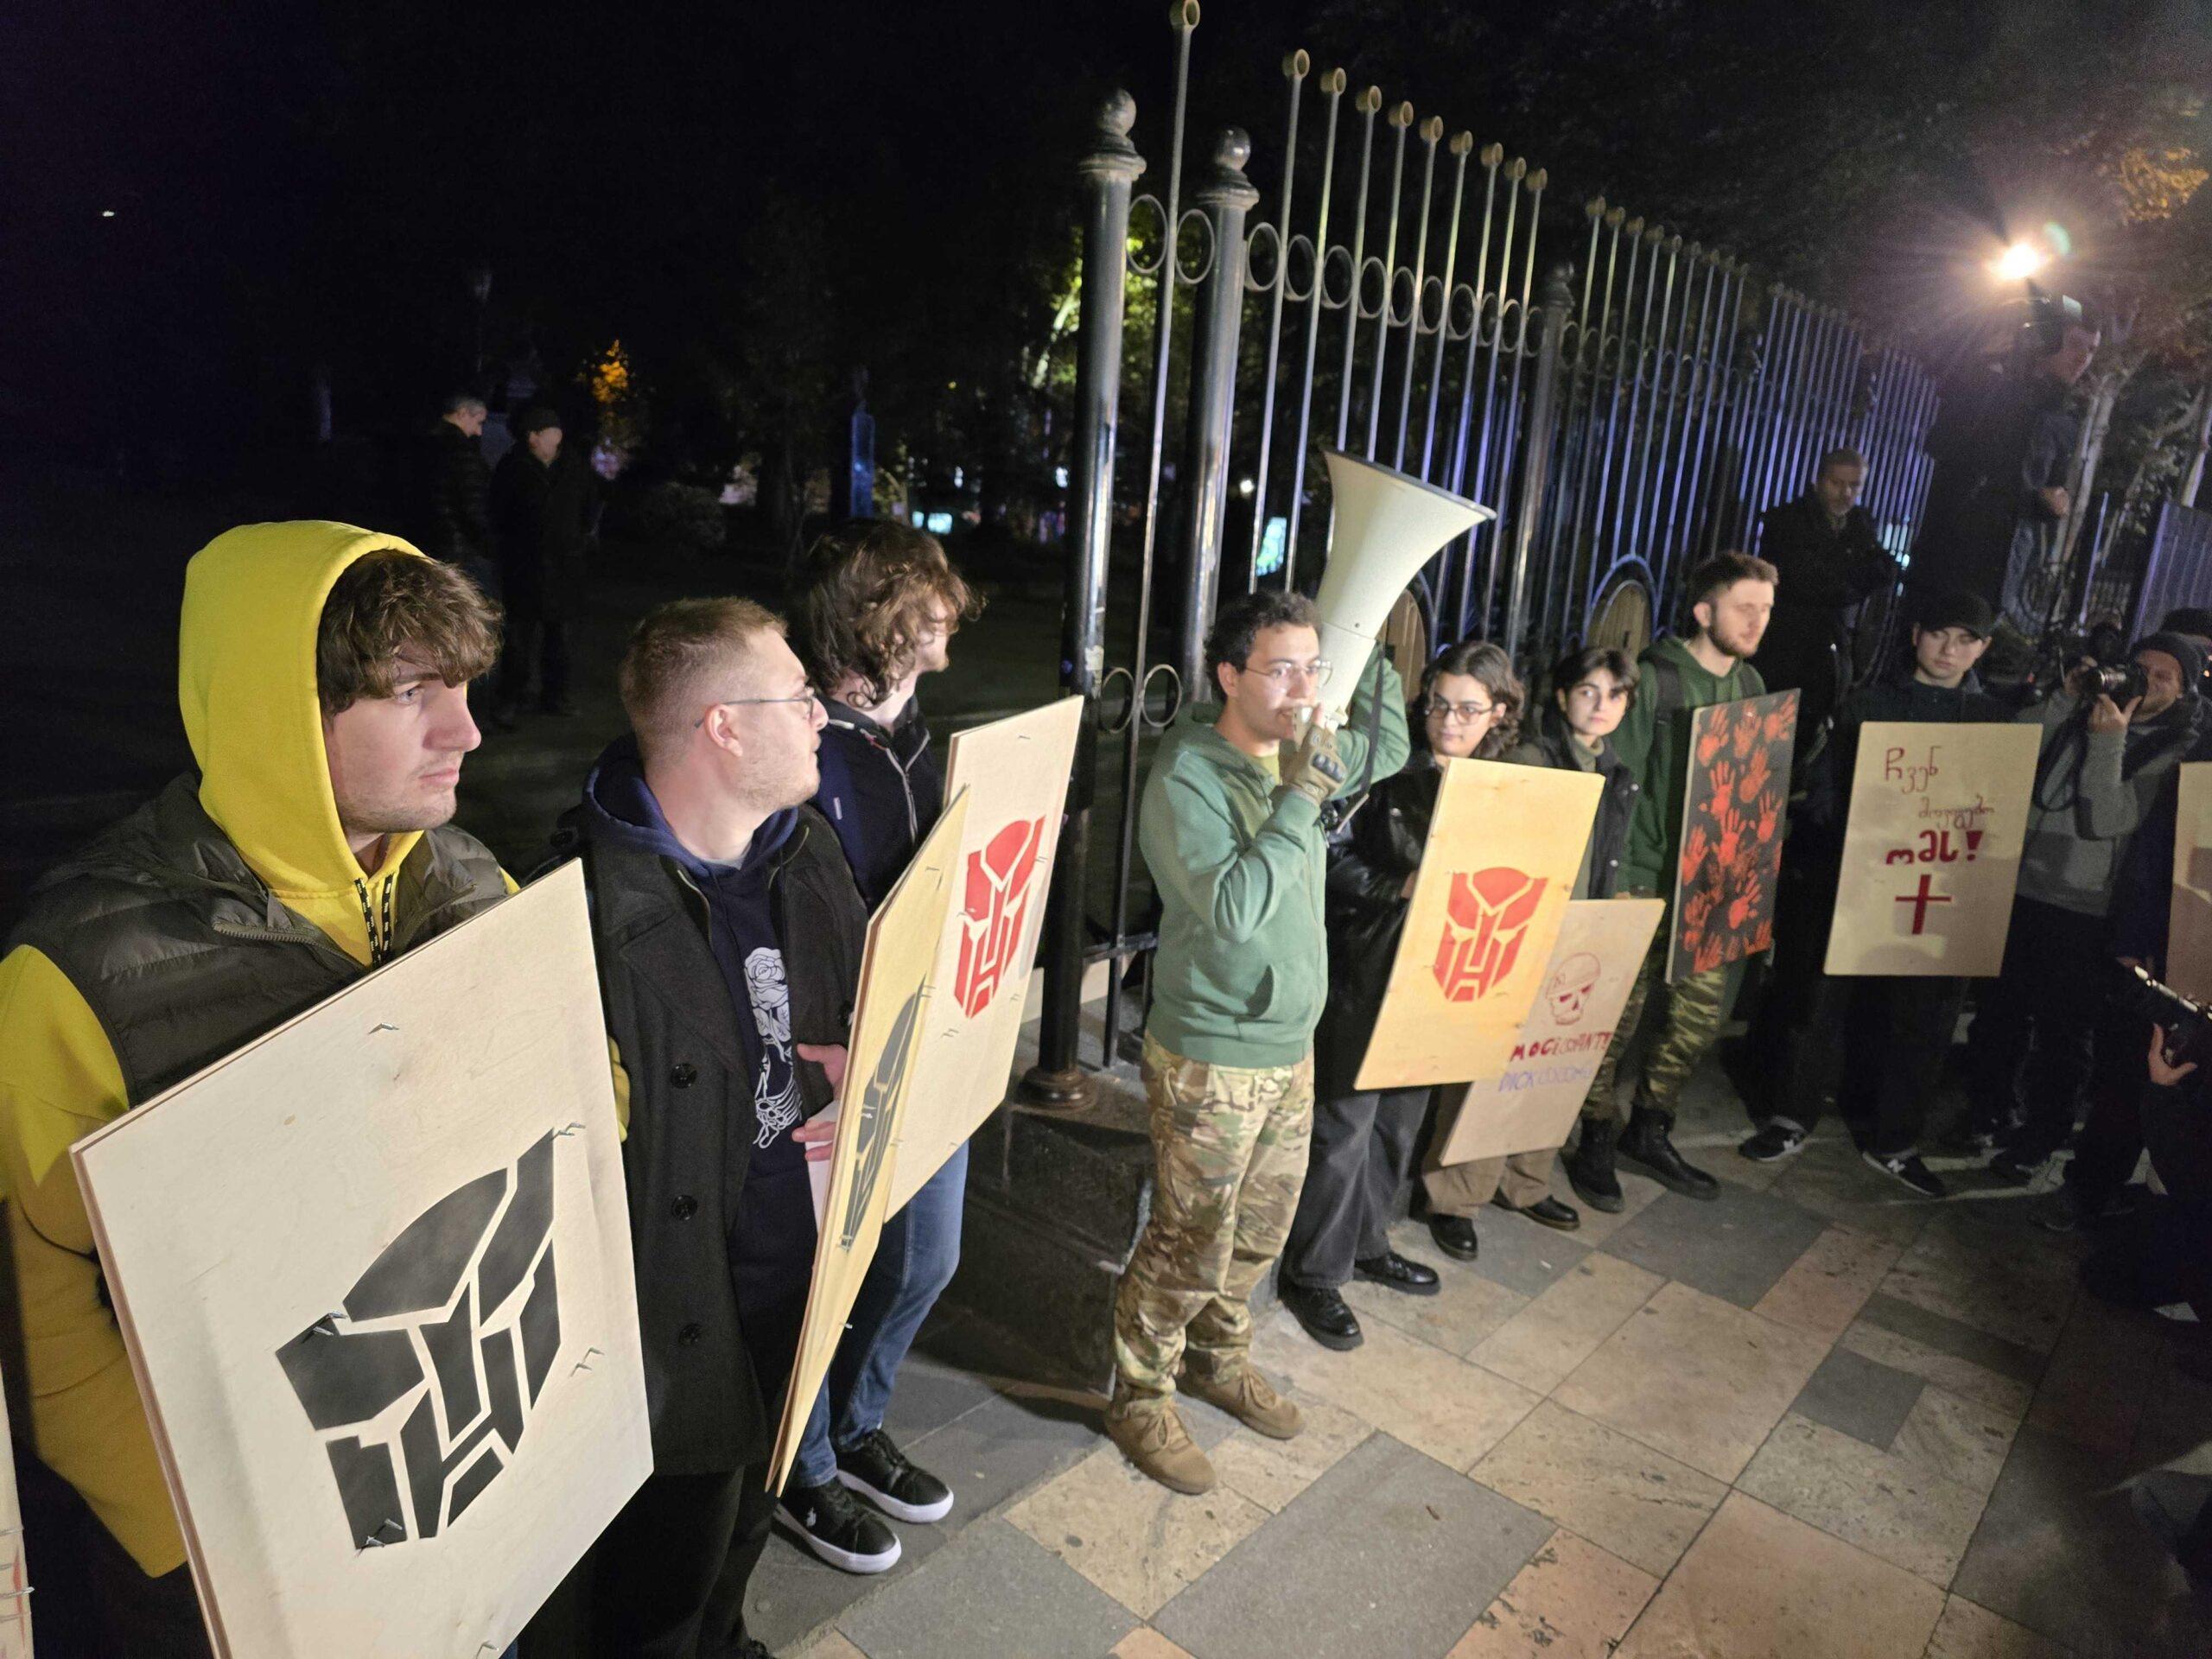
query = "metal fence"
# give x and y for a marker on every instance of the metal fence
(1634, 408)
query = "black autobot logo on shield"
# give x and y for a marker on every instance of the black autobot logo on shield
(879, 1106)
(420, 1385)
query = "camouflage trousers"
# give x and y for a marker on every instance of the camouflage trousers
(1690, 1016)
(1229, 1147)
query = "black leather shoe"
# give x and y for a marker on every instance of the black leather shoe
(1324, 1315)
(1646, 1145)
(1393, 1271)
(1589, 1165)
(1455, 1237)
(1546, 1211)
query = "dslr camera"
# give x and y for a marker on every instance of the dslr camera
(2187, 1024)
(2122, 682)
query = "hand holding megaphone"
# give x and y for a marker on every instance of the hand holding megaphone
(1312, 766)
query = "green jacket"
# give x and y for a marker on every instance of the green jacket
(1242, 965)
(1655, 745)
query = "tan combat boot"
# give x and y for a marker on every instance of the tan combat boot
(1251, 1399)
(1153, 1438)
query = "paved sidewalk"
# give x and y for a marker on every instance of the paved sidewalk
(1818, 1417)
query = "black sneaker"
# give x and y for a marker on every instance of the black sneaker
(839, 1531)
(1774, 1141)
(882, 1473)
(1906, 1167)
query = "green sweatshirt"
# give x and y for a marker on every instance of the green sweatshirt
(1242, 965)
(1656, 747)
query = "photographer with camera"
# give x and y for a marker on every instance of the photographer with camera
(2110, 740)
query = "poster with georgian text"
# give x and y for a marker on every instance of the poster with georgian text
(1014, 772)
(1530, 1103)
(2189, 938)
(1736, 794)
(1931, 851)
(373, 1273)
(1504, 844)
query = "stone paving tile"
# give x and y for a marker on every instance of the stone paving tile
(1960, 1439)
(830, 1644)
(1129, 1534)
(1695, 1377)
(1548, 1338)
(1966, 1631)
(1572, 1599)
(1007, 1443)
(1962, 1274)
(2008, 1397)
(931, 1392)
(1636, 1192)
(1519, 1254)
(1466, 1308)
(1144, 1643)
(1828, 1179)
(2175, 1429)
(1999, 1373)
(2060, 1551)
(1824, 1289)
(1389, 1553)
(1898, 1510)
(2100, 1376)
(1431, 1400)
(1758, 1583)
(1734, 1247)
(1272, 1472)
(991, 1591)
(1716, 1154)
(1859, 1397)
(1637, 1503)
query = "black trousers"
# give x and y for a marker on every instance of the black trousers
(1362, 1154)
(520, 655)
(2040, 1012)
(1909, 1021)
(93, 1602)
(669, 1574)
(2113, 1137)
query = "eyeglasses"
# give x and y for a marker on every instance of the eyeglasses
(752, 702)
(1284, 673)
(1468, 711)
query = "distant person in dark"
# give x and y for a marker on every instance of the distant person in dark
(454, 502)
(541, 512)
(2194, 623)
(1830, 558)
(2001, 443)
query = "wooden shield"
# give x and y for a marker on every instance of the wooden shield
(893, 1021)
(1735, 790)
(2189, 942)
(1015, 773)
(1931, 852)
(1503, 847)
(1531, 1102)
(373, 1272)
(14, 1575)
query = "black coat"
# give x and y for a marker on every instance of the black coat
(1369, 862)
(691, 1118)
(1816, 829)
(542, 518)
(454, 508)
(2000, 437)
(1601, 865)
(1825, 569)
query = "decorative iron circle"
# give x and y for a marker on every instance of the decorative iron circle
(1186, 274)
(1139, 265)
(1253, 242)
(1293, 291)
(1345, 270)
(1423, 323)
(1458, 330)
(1412, 296)
(1175, 708)
(1112, 726)
(1372, 265)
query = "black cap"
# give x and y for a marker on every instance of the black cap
(2181, 648)
(1958, 609)
(536, 418)
(2192, 620)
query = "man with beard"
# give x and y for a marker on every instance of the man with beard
(1730, 597)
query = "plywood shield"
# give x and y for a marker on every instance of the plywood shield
(15, 1572)
(1504, 847)
(1015, 773)
(373, 1272)
(1931, 852)
(2188, 941)
(1736, 789)
(893, 1021)
(1530, 1102)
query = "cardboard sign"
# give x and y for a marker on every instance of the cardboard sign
(373, 1272)
(893, 1020)
(15, 1577)
(1931, 852)
(1015, 773)
(1735, 790)
(1504, 844)
(1531, 1103)
(2189, 939)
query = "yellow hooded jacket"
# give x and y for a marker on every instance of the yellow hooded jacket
(247, 684)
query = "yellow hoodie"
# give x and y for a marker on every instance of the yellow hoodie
(253, 598)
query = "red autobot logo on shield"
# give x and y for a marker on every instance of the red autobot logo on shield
(1485, 919)
(998, 902)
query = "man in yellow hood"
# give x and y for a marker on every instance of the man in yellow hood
(321, 672)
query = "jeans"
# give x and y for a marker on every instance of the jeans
(913, 1263)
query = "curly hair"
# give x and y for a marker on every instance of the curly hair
(866, 595)
(1239, 625)
(392, 601)
(1480, 660)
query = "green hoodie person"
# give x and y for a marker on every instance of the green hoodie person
(1654, 739)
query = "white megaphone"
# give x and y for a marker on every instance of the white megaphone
(1388, 525)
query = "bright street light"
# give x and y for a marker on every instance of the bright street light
(2018, 262)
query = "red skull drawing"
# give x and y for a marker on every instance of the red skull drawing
(999, 882)
(1567, 991)
(1485, 918)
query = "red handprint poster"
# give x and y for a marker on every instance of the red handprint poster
(1737, 791)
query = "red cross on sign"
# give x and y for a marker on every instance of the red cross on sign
(1920, 901)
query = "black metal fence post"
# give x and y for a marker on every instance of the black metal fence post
(1537, 441)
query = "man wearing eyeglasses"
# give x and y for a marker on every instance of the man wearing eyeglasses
(1230, 826)
(705, 865)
